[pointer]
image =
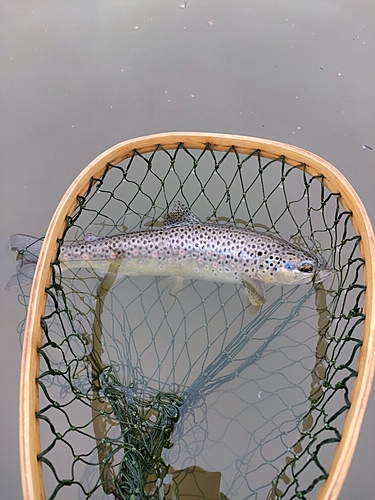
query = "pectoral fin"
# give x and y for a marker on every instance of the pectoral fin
(255, 291)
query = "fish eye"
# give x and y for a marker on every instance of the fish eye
(306, 267)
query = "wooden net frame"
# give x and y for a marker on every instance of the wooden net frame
(31, 468)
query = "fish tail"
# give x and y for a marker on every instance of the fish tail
(23, 277)
(28, 249)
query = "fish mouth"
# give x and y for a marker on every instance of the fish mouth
(322, 274)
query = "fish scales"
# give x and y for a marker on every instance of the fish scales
(187, 248)
(207, 251)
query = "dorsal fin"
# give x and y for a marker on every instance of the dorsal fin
(180, 215)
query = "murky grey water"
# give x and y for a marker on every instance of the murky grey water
(79, 77)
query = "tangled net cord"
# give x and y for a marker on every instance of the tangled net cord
(141, 398)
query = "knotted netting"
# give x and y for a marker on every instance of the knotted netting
(149, 394)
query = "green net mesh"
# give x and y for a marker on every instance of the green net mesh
(199, 399)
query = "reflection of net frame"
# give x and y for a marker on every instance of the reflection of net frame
(31, 470)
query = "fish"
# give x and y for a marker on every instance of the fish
(186, 248)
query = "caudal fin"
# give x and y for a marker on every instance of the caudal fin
(28, 249)
(23, 277)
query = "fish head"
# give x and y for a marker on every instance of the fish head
(292, 265)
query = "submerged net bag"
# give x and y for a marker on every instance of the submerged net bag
(131, 391)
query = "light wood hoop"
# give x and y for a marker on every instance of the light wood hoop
(31, 468)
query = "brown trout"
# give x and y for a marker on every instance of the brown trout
(186, 248)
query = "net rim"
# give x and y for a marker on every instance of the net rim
(31, 468)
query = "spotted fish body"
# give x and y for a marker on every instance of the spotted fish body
(187, 248)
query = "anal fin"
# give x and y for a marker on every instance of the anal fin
(174, 286)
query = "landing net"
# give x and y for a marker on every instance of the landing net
(144, 397)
